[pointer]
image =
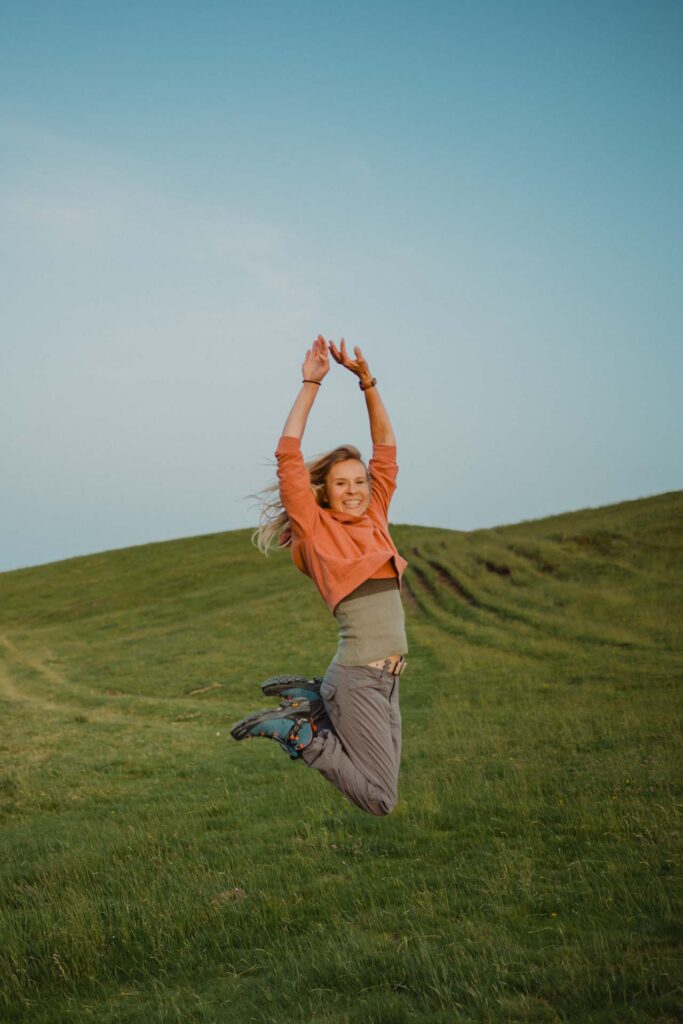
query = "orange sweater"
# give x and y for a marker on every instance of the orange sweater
(339, 550)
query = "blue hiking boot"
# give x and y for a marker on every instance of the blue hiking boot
(290, 688)
(291, 726)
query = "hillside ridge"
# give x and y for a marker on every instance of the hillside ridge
(630, 505)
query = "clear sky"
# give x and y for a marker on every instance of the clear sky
(486, 196)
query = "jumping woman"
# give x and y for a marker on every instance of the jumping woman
(332, 513)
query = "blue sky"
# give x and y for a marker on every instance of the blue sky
(485, 196)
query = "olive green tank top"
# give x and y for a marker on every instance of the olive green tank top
(371, 623)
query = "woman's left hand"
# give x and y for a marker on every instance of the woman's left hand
(358, 365)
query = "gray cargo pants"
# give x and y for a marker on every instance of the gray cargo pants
(358, 747)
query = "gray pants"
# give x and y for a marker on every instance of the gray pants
(358, 747)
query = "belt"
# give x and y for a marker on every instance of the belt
(394, 664)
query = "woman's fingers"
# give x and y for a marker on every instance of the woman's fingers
(346, 360)
(341, 356)
(336, 354)
(318, 352)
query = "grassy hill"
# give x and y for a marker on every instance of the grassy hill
(152, 870)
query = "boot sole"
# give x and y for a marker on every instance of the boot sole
(241, 730)
(274, 686)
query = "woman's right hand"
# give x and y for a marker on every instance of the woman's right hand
(317, 362)
(358, 366)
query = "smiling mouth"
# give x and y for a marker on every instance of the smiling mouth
(352, 504)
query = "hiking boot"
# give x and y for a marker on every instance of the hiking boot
(290, 688)
(291, 726)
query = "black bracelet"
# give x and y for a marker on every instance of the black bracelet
(366, 387)
(306, 381)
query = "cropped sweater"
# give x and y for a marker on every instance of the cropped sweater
(339, 550)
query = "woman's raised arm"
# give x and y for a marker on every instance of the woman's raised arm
(315, 366)
(381, 430)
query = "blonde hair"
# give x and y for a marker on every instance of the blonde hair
(274, 529)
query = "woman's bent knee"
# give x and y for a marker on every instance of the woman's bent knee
(382, 804)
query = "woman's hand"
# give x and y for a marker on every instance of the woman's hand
(317, 361)
(314, 367)
(357, 365)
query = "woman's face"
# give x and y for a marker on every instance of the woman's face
(347, 487)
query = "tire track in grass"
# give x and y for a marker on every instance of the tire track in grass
(16, 695)
(95, 704)
(52, 677)
(475, 633)
(433, 609)
(9, 691)
(409, 598)
(539, 624)
(449, 580)
(493, 627)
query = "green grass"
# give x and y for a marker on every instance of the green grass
(152, 870)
